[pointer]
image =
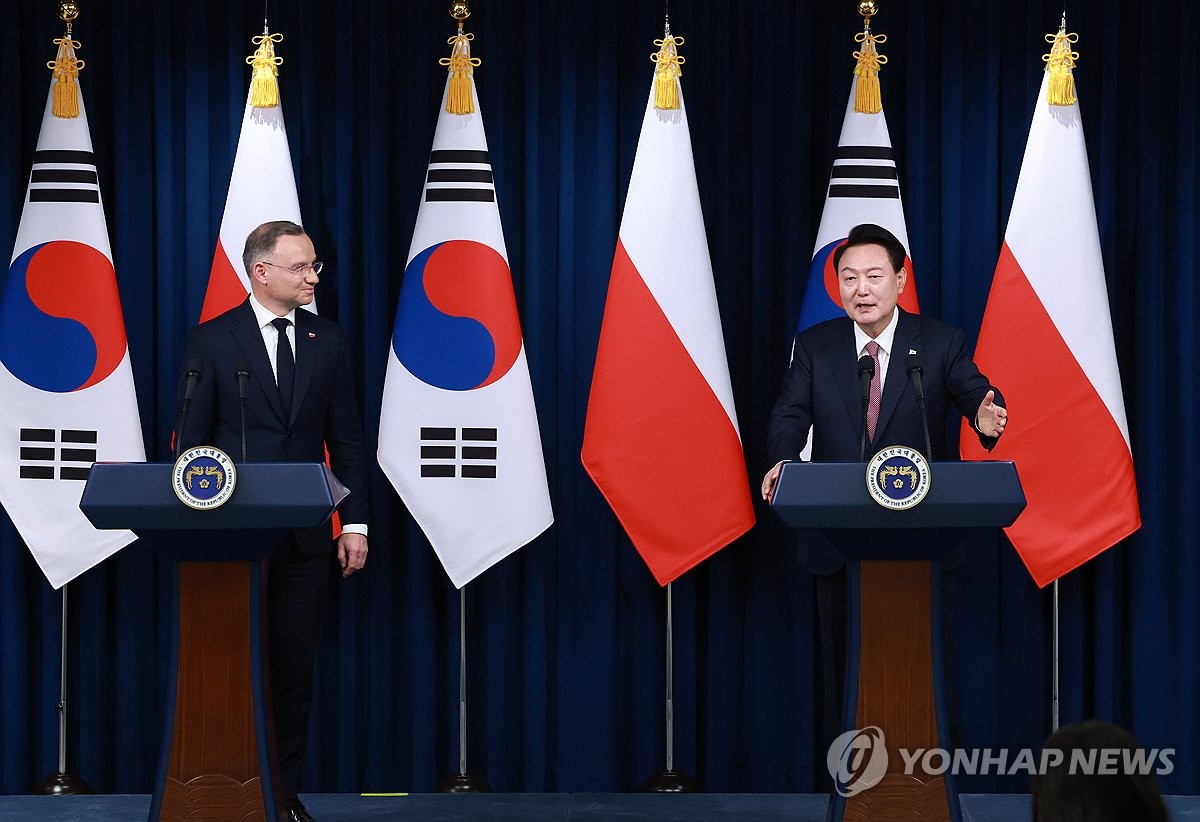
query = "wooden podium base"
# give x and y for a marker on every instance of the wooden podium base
(220, 763)
(895, 683)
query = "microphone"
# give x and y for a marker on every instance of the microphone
(866, 373)
(912, 364)
(192, 375)
(242, 373)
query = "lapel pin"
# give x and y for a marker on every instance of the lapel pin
(312, 335)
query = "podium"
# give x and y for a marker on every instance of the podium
(894, 665)
(218, 760)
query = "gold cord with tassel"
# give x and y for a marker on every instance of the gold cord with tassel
(459, 98)
(666, 89)
(1059, 62)
(867, 98)
(66, 71)
(264, 85)
(65, 89)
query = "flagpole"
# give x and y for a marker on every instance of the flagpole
(1054, 693)
(670, 780)
(462, 782)
(62, 782)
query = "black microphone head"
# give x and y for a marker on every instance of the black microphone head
(866, 366)
(913, 363)
(242, 369)
(195, 367)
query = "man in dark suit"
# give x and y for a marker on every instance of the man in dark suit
(300, 399)
(821, 390)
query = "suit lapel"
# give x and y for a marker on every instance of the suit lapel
(907, 338)
(844, 365)
(249, 339)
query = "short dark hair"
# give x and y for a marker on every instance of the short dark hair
(871, 234)
(1063, 793)
(261, 241)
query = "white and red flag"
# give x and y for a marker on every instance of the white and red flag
(262, 188)
(458, 430)
(1047, 341)
(66, 386)
(661, 440)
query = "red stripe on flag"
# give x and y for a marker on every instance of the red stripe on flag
(225, 288)
(658, 443)
(1072, 459)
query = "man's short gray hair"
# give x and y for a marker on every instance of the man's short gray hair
(261, 242)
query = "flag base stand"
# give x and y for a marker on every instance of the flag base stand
(61, 784)
(670, 781)
(463, 783)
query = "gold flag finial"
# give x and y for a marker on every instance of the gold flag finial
(1060, 62)
(66, 66)
(264, 82)
(867, 99)
(668, 71)
(460, 63)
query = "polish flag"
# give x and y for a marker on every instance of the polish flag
(1047, 341)
(661, 440)
(262, 188)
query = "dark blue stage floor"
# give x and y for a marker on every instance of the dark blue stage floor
(536, 807)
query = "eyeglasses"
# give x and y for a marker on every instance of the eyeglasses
(299, 269)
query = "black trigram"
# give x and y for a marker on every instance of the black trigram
(61, 176)
(467, 452)
(70, 450)
(459, 175)
(864, 171)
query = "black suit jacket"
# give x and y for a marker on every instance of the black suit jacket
(821, 389)
(324, 410)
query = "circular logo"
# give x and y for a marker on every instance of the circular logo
(857, 760)
(456, 320)
(898, 477)
(204, 477)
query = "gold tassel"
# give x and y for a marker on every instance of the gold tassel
(459, 99)
(66, 71)
(264, 87)
(867, 98)
(666, 87)
(1059, 62)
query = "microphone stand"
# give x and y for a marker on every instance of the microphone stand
(193, 377)
(913, 366)
(243, 378)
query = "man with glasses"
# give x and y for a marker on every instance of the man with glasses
(300, 399)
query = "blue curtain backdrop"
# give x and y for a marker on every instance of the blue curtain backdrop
(567, 635)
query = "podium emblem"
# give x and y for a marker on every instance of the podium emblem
(898, 477)
(204, 477)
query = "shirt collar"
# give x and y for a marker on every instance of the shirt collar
(885, 338)
(265, 316)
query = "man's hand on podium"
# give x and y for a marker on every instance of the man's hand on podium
(768, 483)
